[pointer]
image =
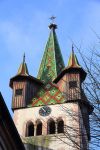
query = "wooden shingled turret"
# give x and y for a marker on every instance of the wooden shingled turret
(24, 87)
(69, 82)
(73, 75)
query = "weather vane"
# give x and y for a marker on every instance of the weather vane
(52, 18)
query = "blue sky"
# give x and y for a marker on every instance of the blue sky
(24, 28)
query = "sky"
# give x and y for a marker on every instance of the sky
(24, 28)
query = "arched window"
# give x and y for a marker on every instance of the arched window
(60, 126)
(39, 128)
(29, 129)
(51, 126)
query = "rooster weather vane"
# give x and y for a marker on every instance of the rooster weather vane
(52, 18)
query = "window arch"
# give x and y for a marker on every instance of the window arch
(51, 126)
(60, 126)
(39, 128)
(29, 129)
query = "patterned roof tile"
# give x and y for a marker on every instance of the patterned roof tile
(52, 62)
(49, 94)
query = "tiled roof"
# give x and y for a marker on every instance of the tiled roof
(52, 62)
(49, 94)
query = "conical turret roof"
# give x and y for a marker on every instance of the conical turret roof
(23, 74)
(73, 61)
(52, 62)
(73, 66)
(23, 70)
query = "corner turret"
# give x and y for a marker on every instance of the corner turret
(24, 87)
(70, 83)
(73, 66)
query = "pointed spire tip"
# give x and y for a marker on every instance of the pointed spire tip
(72, 48)
(24, 58)
(23, 70)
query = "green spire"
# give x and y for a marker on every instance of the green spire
(52, 62)
(23, 70)
(73, 61)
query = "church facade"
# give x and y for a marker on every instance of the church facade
(51, 112)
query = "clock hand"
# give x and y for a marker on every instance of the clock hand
(44, 109)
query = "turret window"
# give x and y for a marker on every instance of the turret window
(72, 84)
(18, 92)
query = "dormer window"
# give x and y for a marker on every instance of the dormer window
(18, 92)
(72, 84)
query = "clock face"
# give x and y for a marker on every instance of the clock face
(45, 111)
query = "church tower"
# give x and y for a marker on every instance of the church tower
(24, 87)
(51, 112)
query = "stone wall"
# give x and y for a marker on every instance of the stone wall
(71, 115)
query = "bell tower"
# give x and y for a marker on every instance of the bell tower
(51, 111)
